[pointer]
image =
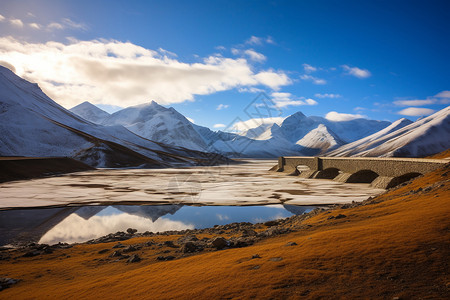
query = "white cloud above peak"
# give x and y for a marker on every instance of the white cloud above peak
(416, 111)
(414, 102)
(340, 117)
(287, 99)
(124, 74)
(357, 72)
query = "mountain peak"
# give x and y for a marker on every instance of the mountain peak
(90, 112)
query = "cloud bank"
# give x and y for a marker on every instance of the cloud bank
(340, 117)
(124, 74)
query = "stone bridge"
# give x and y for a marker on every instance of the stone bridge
(380, 172)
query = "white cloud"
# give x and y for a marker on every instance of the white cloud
(2, 18)
(55, 25)
(222, 106)
(124, 74)
(219, 126)
(444, 97)
(328, 95)
(314, 80)
(416, 111)
(166, 52)
(74, 25)
(273, 79)
(250, 90)
(235, 51)
(220, 48)
(270, 40)
(34, 25)
(414, 102)
(254, 40)
(357, 72)
(190, 120)
(16, 22)
(255, 56)
(287, 99)
(443, 94)
(339, 117)
(309, 68)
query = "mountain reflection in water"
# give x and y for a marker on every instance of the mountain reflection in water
(79, 224)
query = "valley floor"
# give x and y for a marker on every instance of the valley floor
(394, 245)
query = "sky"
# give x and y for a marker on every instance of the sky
(222, 62)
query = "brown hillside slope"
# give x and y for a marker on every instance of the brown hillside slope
(397, 245)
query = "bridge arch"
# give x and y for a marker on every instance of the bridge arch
(329, 173)
(403, 178)
(362, 176)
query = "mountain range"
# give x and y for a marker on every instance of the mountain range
(296, 134)
(151, 135)
(32, 124)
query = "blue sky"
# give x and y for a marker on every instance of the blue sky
(210, 59)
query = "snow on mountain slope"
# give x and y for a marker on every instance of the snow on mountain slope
(369, 142)
(158, 123)
(258, 128)
(31, 124)
(424, 137)
(318, 140)
(90, 112)
(298, 125)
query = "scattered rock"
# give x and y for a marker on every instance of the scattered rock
(255, 267)
(119, 245)
(191, 247)
(7, 282)
(271, 223)
(255, 256)
(31, 253)
(187, 238)
(130, 248)
(103, 251)
(165, 258)
(170, 244)
(219, 243)
(116, 254)
(248, 232)
(339, 216)
(134, 258)
(276, 259)
(291, 244)
(131, 230)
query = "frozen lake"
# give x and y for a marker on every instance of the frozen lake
(249, 183)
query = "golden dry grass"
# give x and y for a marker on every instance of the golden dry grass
(397, 246)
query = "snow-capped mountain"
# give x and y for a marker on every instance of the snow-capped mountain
(90, 112)
(32, 124)
(157, 123)
(424, 137)
(264, 138)
(318, 140)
